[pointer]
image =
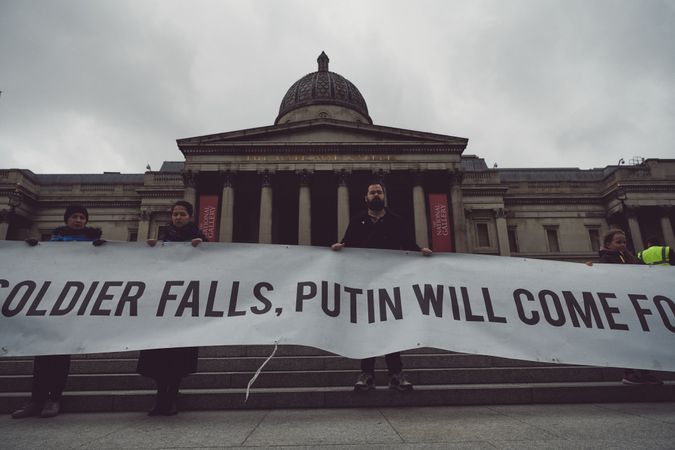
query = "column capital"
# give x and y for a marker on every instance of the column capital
(144, 214)
(456, 176)
(665, 210)
(379, 175)
(343, 176)
(189, 178)
(500, 213)
(631, 211)
(228, 177)
(266, 177)
(304, 176)
(418, 177)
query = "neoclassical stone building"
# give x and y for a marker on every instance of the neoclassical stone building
(299, 180)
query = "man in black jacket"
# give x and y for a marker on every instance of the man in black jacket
(380, 228)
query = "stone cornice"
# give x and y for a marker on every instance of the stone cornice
(92, 203)
(321, 148)
(163, 193)
(549, 200)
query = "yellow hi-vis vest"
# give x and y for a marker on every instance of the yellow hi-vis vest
(655, 256)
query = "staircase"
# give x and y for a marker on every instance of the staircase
(303, 377)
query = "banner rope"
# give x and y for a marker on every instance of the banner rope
(255, 376)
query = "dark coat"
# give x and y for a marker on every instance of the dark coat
(185, 233)
(390, 232)
(69, 234)
(171, 363)
(614, 257)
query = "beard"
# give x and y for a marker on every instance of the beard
(376, 204)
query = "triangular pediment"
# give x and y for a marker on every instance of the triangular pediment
(321, 131)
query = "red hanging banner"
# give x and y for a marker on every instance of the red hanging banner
(439, 217)
(208, 216)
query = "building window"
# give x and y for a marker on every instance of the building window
(552, 237)
(513, 240)
(594, 236)
(482, 235)
(133, 235)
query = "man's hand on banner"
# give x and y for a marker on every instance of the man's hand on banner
(32, 242)
(426, 251)
(196, 242)
(99, 242)
(337, 246)
(151, 242)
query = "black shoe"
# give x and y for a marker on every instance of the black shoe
(365, 382)
(51, 409)
(170, 410)
(30, 410)
(397, 381)
(155, 411)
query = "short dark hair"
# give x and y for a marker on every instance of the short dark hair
(378, 182)
(609, 237)
(74, 209)
(654, 240)
(187, 205)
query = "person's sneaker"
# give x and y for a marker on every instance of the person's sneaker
(633, 378)
(365, 382)
(398, 382)
(51, 409)
(30, 410)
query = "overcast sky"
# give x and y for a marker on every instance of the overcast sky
(96, 85)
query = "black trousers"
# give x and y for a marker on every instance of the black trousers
(393, 360)
(49, 377)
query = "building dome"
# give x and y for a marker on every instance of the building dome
(323, 94)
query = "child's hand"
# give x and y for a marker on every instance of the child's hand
(151, 242)
(196, 242)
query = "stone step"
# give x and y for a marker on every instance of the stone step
(225, 351)
(420, 377)
(14, 366)
(339, 397)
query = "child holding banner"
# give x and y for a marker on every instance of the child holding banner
(614, 251)
(51, 371)
(167, 366)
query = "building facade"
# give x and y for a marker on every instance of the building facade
(299, 181)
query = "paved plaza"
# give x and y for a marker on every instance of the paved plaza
(567, 426)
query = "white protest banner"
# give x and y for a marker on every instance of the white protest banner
(68, 298)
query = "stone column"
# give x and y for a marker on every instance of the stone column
(634, 227)
(420, 212)
(502, 232)
(304, 210)
(457, 205)
(4, 225)
(190, 188)
(227, 209)
(143, 225)
(342, 204)
(265, 226)
(667, 228)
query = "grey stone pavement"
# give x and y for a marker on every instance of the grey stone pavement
(585, 426)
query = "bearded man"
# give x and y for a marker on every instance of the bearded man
(380, 228)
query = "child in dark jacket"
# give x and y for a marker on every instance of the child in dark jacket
(167, 366)
(614, 251)
(51, 372)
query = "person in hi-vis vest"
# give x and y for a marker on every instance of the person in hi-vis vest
(657, 254)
